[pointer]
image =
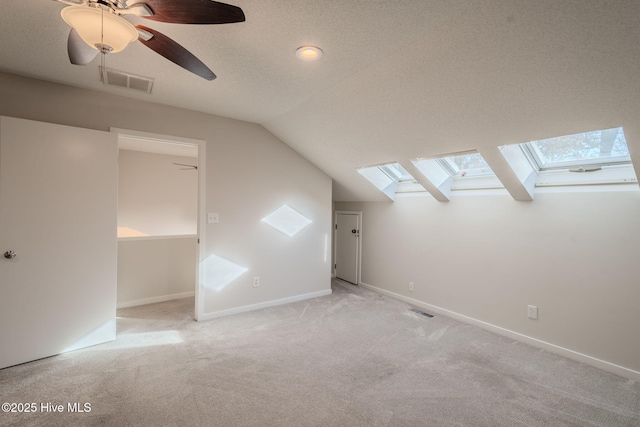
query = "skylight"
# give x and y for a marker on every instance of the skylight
(396, 172)
(390, 178)
(585, 159)
(465, 165)
(463, 171)
(601, 147)
(564, 160)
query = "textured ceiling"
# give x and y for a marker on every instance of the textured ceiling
(400, 79)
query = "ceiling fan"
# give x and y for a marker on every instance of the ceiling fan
(99, 26)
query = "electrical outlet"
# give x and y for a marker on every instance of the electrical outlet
(411, 286)
(213, 218)
(256, 281)
(532, 312)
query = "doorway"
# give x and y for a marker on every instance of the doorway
(348, 246)
(159, 221)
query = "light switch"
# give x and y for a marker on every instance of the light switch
(213, 218)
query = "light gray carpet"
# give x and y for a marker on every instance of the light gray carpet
(354, 358)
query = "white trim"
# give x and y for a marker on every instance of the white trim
(202, 215)
(201, 254)
(335, 242)
(267, 304)
(156, 137)
(153, 300)
(552, 348)
(587, 188)
(177, 236)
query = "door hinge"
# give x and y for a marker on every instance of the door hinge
(198, 241)
(335, 266)
(336, 226)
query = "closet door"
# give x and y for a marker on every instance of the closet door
(347, 245)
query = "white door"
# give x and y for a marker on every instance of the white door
(58, 253)
(347, 246)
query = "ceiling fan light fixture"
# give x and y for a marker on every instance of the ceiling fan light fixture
(309, 53)
(88, 22)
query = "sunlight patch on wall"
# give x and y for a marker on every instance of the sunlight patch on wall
(220, 272)
(326, 247)
(130, 232)
(287, 220)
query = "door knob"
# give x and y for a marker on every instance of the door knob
(10, 255)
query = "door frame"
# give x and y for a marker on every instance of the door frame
(201, 216)
(359, 246)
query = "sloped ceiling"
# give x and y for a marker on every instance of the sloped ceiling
(399, 79)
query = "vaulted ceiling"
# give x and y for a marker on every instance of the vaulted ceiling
(399, 79)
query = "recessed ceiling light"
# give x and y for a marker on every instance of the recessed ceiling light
(309, 53)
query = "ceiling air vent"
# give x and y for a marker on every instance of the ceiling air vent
(126, 80)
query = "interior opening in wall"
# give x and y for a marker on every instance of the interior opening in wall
(158, 204)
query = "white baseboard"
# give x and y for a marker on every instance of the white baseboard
(153, 300)
(267, 304)
(552, 348)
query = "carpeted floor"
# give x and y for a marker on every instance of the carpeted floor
(353, 358)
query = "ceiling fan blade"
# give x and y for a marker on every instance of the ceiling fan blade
(175, 53)
(79, 52)
(193, 12)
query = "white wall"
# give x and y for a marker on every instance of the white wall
(156, 197)
(574, 255)
(249, 171)
(155, 269)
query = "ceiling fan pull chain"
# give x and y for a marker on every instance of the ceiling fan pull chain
(102, 26)
(103, 55)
